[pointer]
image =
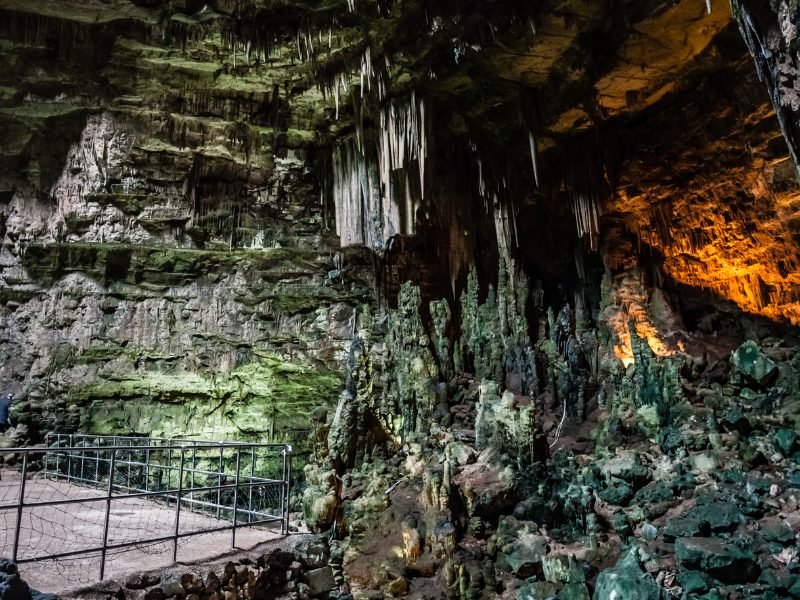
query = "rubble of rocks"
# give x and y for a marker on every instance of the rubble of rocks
(310, 568)
(682, 481)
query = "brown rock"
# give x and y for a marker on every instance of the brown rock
(213, 583)
(193, 583)
(397, 587)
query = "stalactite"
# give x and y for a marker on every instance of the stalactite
(504, 226)
(588, 169)
(366, 70)
(586, 209)
(364, 185)
(534, 160)
(402, 140)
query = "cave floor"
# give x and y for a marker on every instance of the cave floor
(56, 529)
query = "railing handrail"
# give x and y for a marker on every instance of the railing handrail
(161, 439)
(149, 458)
(210, 446)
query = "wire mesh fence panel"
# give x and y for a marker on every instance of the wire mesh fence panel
(101, 498)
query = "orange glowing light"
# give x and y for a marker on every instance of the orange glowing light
(644, 329)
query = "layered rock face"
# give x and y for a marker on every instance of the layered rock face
(168, 266)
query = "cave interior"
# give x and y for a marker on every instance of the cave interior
(519, 281)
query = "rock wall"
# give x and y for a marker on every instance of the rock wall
(168, 264)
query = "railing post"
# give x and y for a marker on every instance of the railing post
(250, 486)
(194, 468)
(82, 469)
(108, 513)
(47, 455)
(220, 472)
(20, 504)
(236, 495)
(287, 483)
(97, 461)
(69, 460)
(169, 471)
(178, 507)
(147, 469)
(130, 464)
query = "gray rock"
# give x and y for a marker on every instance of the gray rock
(626, 581)
(320, 581)
(562, 568)
(750, 362)
(193, 583)
(685, 527)
(721, 560)
(313, 553)
(573, 591)
(649, 532)
(526, 554)
(539, 590)
(722, 517)
(11, 585)
(141, 581)
(694, 582)
(785, 439)
(776, 530)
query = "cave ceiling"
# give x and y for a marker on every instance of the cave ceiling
(634, 129)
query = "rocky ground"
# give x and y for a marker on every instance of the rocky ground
(682, 481)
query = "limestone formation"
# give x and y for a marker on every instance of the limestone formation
(519, 281)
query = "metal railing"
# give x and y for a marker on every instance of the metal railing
(220, 485)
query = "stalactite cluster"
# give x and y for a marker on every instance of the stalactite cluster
(374, 196)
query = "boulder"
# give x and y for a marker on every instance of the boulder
(626, 581)
(539, 590)
(573, 591)
(488, 488)
(722, 517)
(723, 561)
(753, 365)
(694, 582)
(627, 466)
(320, 581)
(141, 581)
(314, 552)
(619, 493)
(193, 583)
(11, 585)
(776, 530)
(526, 554)
(561, 568)
(785, 439)
(685, 527)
